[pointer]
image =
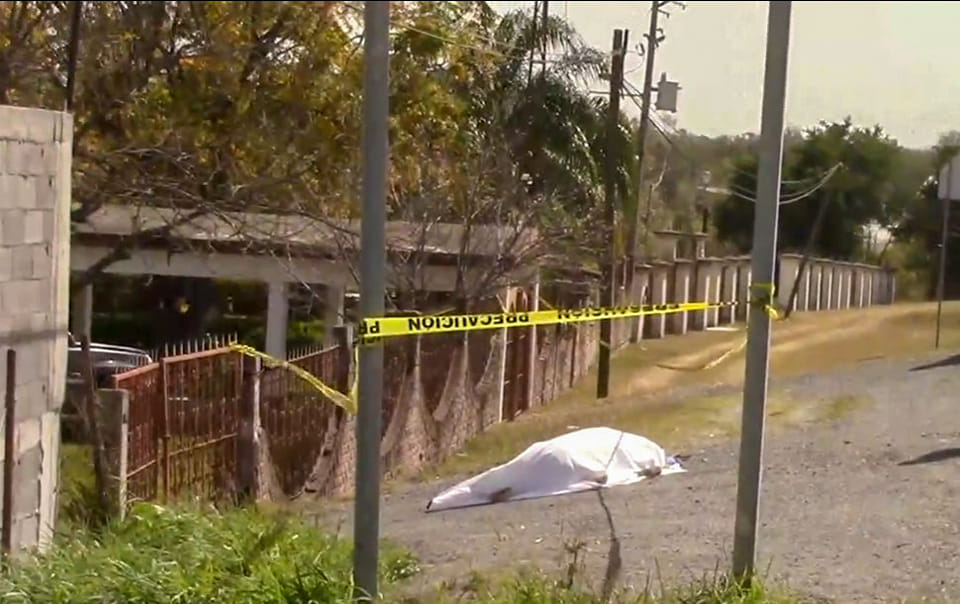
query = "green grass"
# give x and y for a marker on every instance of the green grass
(198, 555)
(542, 589)
(77, 500)
(194, 556)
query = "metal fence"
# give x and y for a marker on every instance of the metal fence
(183, 425)
(298, 421)
(185, 420)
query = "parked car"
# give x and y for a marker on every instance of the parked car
(107, 359)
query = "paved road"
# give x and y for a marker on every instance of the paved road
(842, 517)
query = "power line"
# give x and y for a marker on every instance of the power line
(792, 198)
(661, 128)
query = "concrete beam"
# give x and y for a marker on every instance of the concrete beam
(265, 268)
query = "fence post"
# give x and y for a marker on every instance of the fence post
(248, 446)
(343, 338)
(9, 450)
(163, 428)
(115, 420)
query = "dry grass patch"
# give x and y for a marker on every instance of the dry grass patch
(677, 426)
(643, 375)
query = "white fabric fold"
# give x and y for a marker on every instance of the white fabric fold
(583, 460)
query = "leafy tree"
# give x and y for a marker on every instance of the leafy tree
(870, 187)
(920, 230)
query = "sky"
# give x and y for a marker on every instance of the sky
(896, 64)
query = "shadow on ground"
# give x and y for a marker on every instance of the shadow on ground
(933, 457)
(947, 362)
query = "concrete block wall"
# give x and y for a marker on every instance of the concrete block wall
(35, 163)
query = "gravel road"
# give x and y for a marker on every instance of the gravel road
(843, 517)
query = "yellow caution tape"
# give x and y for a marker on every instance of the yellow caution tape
(385, 327)
(763, 295)
(348, 402)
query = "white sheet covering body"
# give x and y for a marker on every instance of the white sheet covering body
(582, 460)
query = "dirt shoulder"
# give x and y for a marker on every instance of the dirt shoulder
(841, 517)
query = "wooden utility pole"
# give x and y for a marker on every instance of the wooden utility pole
(73, 52)
(533, 37)
(808, 250)
(609, 194)
(545, 5)
(633, 236)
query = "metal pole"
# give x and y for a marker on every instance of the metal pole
(762, 263)
(609, 194)
(9, 451)
(633, 236)
(376, 149)
(73, 52)
(944, 237)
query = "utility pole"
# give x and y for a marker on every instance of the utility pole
(373, 258)
(949, 178)
(633, 235)
(807, 252)
(533, 37)
(545, 4)
(609, 194)
(941, 278)
(73, 52)
(763, 261)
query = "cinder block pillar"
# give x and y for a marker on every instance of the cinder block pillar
(655, 325)
(35, 175)
(248, 439)
(683, 275)
(804, 295)
(332, 314)
(789, 266)
(744, 281)
(639, 295)
(278, 314)
(728, 292)
(114, 419)
(701, 293)
(827, 287)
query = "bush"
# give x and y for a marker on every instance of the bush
(192, 556)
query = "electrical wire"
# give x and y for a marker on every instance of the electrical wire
(510, 50)
(789, 199)
(661, 128)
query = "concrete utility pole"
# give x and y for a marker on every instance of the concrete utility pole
(609, 194)
(633, 235)
(763, 261)
(373, 259)
(942, 277)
